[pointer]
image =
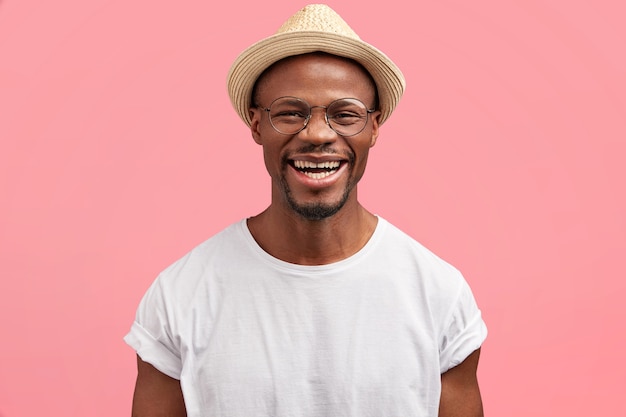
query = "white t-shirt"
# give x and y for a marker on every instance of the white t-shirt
(250, 335)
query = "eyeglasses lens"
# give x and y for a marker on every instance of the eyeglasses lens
(289, 115)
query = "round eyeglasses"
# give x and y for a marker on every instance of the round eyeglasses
(290, 115)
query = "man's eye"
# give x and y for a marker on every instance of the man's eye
(290, 113)
(346, 118)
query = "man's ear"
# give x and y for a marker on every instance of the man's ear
(375, 127)
(255, 117)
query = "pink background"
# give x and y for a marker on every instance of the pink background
(120, 151)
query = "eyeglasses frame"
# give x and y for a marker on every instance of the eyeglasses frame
(310, 115)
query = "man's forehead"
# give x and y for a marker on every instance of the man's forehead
(318, 57)
(319, 61)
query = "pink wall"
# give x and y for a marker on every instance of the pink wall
(120, 152)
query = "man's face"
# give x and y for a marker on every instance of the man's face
(315, 171)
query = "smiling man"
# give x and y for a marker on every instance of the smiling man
(314, 307)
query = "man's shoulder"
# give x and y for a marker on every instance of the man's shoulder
(231, 234)
(216, 247)
(400, 247)
(399, 239)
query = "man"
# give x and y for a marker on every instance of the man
(314, 307)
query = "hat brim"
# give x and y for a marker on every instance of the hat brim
(257, 58)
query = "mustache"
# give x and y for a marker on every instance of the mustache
(327, 149)
(320, 149)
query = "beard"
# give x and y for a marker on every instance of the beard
(317, 211)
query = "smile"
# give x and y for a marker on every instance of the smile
(316, 170)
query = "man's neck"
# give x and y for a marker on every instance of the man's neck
(286, 235)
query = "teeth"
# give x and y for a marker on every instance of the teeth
(330, 166)
(322, 165)
(319, 175)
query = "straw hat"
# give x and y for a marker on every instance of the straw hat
(314, 28)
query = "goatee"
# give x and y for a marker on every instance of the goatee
(317, 211)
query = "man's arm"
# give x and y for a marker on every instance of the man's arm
(156, 394)
(460, 396)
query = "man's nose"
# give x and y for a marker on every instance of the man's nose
(317, 129)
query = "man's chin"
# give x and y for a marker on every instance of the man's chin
(316, 211)
(321, 209)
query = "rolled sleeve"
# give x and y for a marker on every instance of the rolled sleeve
(464, 333)
(154, 352)
(154, 332)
